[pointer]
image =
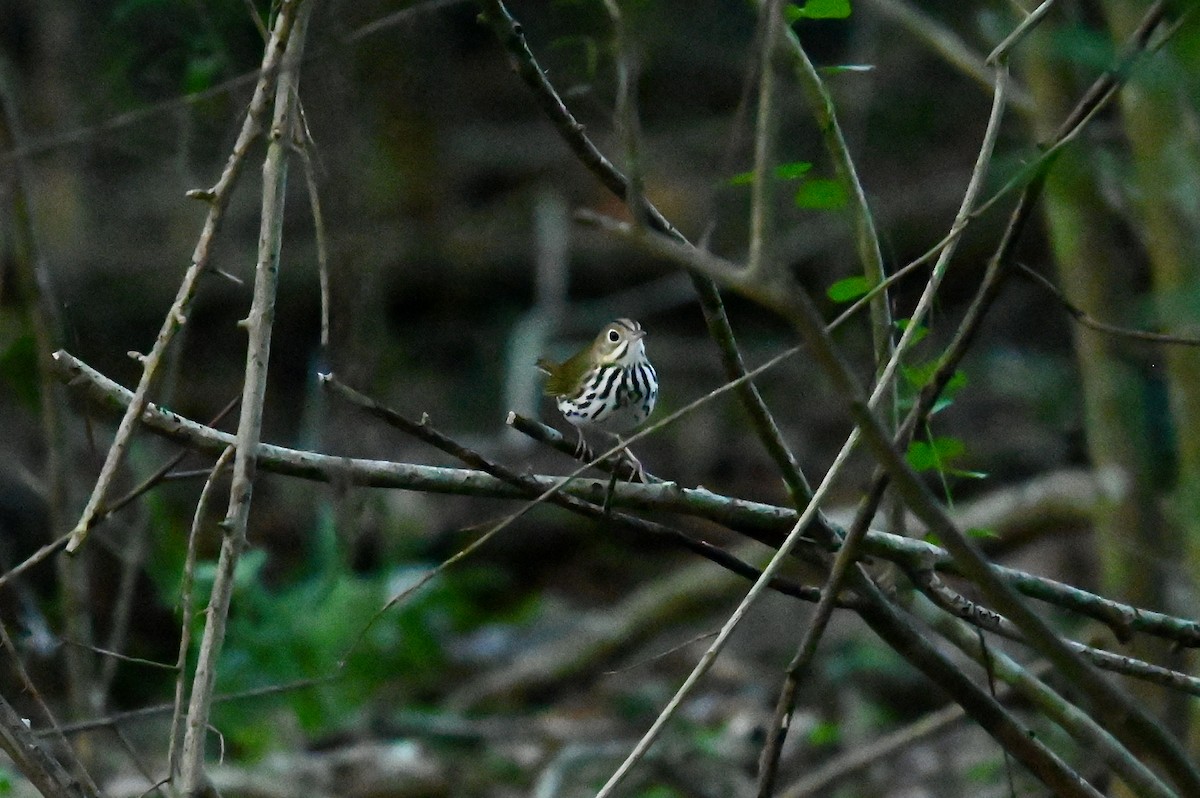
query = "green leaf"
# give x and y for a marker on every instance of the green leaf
(18, 368)
(658, 791)
(825, 733)
(922, 330)
(784, 171)
(817, 9)
(941, 404)
(956, 383)
(839, 69)
(848, 289)
(919, 374)
(933, 455)
(982, 532)
(821, 194)
(793, 171)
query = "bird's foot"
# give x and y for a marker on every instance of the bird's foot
(582, 452)
(635, 466)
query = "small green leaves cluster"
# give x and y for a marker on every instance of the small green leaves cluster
(817, 9)
(935, 453)
(813, 194)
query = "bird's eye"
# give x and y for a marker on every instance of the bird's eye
(613, 336)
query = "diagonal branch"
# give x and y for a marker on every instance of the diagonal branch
(762, 522)
(43, 771)
(217, 198)
(532, 488)
(512, 38)
(1141, 780)
(866, 238)
(259, 325)
(849, 551)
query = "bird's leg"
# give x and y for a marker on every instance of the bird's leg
(634, 463)
(582, 452)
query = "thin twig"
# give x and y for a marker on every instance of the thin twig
(259, 325)
(424, 431)
(217, 199)
(763, 521)
(117, 655)
(512, 38)
(38, 556)
(954, 603)
(1031, 21)
(144, 713)
(306, 145)
(186, 605)
(55, 730)
(1083, 318)
(1081, 726)
(849, 551)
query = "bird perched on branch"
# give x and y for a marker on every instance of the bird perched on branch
(609, 386)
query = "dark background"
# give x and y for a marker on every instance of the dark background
(433, 162)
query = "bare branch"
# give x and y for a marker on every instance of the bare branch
(512, 38)
(763, 522)
(43, 771)
(217, 198)
(1090, 735)
(951, 47)
(1086, 320)
(259, 325)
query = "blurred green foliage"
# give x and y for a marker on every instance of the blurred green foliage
(817, 9)
(155, 49)
(317, 622)
(18, 370)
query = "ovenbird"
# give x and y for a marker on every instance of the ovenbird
(610, 385)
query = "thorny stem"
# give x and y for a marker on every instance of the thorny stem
(259, 325)
(217, 198)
